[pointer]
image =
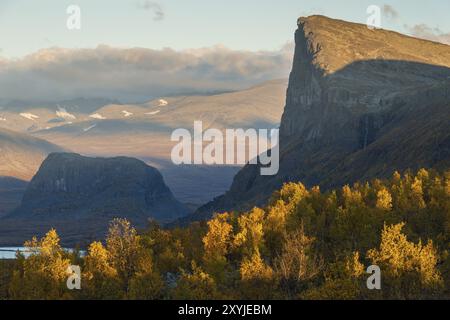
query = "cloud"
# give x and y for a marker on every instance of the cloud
(390, 12)
(153, 7)
(424, 31)
(136, 73)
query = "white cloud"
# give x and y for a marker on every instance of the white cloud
(137, 73)
(426, 32)
(422, 31)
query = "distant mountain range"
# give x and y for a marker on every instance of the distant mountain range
(82, 105)
(99, 127)
(360, 104)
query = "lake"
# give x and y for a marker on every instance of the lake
(10, 252)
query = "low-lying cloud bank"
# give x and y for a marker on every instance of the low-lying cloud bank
(137, 73)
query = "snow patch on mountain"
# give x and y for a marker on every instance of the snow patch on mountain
(29, 116)
(126, 114)
(62, 113)
(162, 103)
(97, 116)
(153, 112)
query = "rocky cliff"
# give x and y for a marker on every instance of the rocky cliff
(80, 195)
(361, 103)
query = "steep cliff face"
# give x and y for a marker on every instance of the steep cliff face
(344, 69)
(361, 103)
(79, 196)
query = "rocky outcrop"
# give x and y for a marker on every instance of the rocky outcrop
(361, 103)
(79, 196)
(70, 186)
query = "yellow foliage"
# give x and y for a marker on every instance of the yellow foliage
(417, 193)
(255, 268)
(400, 256)
(353, 266)
(351, 197)
(44, 273)
(384, 200)
(124, 248)
(250, 234)
(98, 261)
(217, 241)
(293, 192)
(304, 244)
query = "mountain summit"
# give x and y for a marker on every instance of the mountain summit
(361, 103)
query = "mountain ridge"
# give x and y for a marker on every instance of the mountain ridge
(143, 131)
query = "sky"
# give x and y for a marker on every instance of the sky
(134, 50)
(29, 25)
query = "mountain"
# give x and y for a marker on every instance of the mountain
(71, 186)
(11, 192)
(360, 103)
(81, 195)
(21, 154)
(144, 130)
(81, 105)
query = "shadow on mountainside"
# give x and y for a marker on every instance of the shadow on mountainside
(366, 120)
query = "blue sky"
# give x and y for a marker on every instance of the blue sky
(29, 25)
